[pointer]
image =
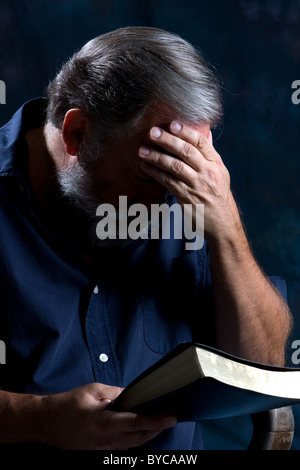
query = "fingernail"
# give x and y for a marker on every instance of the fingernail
(155, 132)
(169, 422)
(176, 126)
(144, 151)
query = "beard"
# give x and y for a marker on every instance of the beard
(79, 197)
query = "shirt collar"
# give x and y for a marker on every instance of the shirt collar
(13, 146)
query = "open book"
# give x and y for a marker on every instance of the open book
(196, 382)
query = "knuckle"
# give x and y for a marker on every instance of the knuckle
(211, 175)
(177, 166)
(186, 150)
(156, 157)
(201, 142)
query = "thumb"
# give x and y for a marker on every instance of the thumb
(104, 403)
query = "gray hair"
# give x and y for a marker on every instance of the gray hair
(116, 77)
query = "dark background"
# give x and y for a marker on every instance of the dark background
(255, 48)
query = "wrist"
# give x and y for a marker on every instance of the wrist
(20, 418)
(229, 233)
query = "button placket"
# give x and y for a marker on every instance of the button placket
(105, 364)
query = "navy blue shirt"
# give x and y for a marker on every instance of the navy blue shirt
(65, 325)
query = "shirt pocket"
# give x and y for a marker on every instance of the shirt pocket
(162, 331)
(169, 307)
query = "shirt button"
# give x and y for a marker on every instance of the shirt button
(103, 357)
(96, 290)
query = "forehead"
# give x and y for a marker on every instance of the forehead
(123, 152)
(154, 118)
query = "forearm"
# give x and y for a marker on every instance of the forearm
(251, 318)
(20, 417)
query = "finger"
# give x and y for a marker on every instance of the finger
(136, 439)
(133, 422)
(176, 146)
(125, 430)
(194, 136)
(146, 427)
(101, 391)
(174, 185)
(167, 163)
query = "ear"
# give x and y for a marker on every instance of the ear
(73, 129)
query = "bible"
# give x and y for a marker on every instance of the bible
(196, 382)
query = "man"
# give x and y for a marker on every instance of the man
(129, 115)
